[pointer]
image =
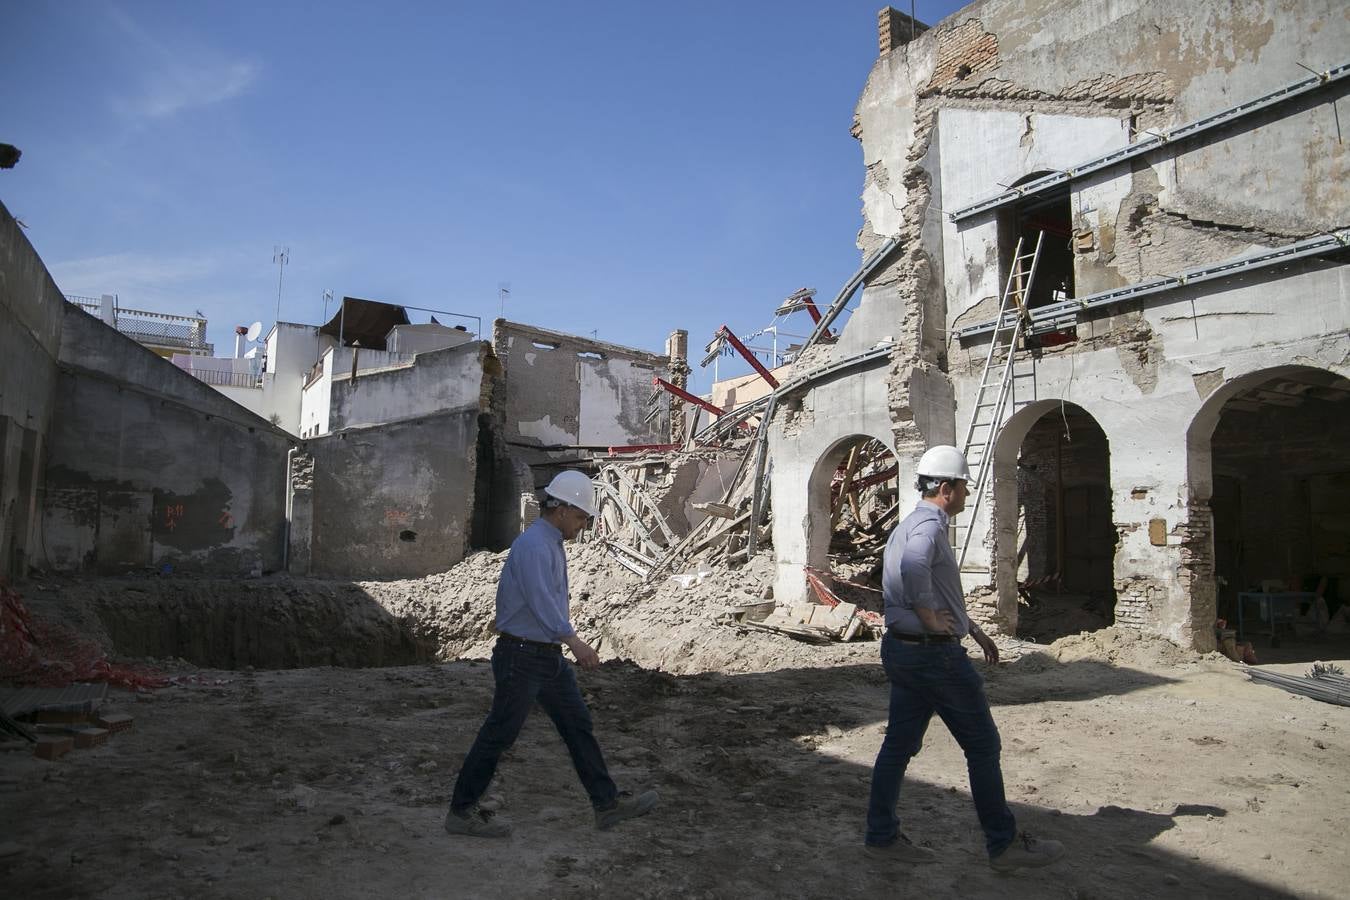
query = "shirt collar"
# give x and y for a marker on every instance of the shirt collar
(937, 512)
(549, 528)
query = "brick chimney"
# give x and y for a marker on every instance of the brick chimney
(895, 29)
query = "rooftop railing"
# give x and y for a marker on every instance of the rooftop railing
(227, 379)
(145, 327)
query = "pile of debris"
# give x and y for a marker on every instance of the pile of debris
(56, 721)
(660, 512)
(34, 651)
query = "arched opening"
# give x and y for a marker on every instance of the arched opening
(1064, 533)
(854, 503)
(1278, 484)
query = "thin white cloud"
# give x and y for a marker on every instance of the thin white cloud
(178, 74)
(136, 278)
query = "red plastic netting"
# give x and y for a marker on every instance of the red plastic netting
(39, 653)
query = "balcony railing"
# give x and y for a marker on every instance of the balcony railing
(227, 379)
(152, 328)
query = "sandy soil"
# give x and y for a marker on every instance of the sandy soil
(1164, 773)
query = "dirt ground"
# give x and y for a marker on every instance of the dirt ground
(1165, 773)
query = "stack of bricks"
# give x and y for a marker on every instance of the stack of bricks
(63, 730)
(895, 29)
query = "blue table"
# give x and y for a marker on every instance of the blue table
(1276, 608)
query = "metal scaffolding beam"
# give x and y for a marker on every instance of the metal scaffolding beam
(1184, 132)
(841, 300)
(1058, 316)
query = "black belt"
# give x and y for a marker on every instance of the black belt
(535, 645)
(922, 638)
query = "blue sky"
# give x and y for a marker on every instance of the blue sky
(627, 173)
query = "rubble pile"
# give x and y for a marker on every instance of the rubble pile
(686, 622)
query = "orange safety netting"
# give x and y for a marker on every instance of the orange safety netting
(38, 653)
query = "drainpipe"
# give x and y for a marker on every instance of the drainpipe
(1059, 513)
(290, 501)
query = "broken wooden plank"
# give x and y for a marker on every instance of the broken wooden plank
(646, 501)
(713, 508)
(801, 633)
(644, 535)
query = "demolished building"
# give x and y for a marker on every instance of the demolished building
(1109, 265)
(1108, 246)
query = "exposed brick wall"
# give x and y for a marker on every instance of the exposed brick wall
(1143, 91)
(963, 51)
(1196, 538)
(1138, 603)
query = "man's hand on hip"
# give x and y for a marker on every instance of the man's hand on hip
(587, 658)
(936, 621)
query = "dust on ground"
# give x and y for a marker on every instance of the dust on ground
(1166, 773)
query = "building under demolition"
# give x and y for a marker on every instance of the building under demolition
(1104, 252)
(1106, 248)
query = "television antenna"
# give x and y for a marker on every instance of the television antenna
(280, 255)
(503, 292)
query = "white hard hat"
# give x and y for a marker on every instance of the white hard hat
(944, 461)
(575, 488)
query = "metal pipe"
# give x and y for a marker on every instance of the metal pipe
(1064, 314)
(858, 277)
(290, 511)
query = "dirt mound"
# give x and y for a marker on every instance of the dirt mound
(1120, 646)
(270, 623)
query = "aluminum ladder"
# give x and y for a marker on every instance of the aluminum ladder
(986, 419)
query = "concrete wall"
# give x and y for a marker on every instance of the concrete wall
(564, 391)
(1005, 88)
(32, 312)
(393, 501)
(149, 467)
(435, 381)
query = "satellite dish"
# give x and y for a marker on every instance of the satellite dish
(253, 331)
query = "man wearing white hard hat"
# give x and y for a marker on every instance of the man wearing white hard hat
(930, 673)
(533, 621)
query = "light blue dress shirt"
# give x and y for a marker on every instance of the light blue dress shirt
(532, 598)
(919, 569)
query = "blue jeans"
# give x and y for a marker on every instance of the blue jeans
(927, 679)
(525, 673)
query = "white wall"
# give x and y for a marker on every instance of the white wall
(292, 350)
(982, 149)
(424, 338)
